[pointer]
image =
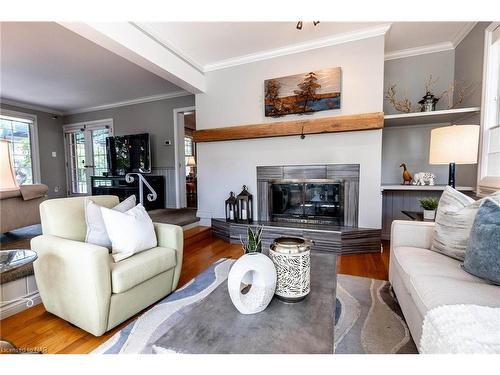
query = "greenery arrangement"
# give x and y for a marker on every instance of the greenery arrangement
(254, 241)
(429, 204)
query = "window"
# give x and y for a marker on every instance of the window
(20, 130)
(489, 160)
(188, 146)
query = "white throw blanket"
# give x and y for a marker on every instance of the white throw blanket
(461, 329)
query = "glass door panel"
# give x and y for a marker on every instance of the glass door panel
(86, 153)
(322, 200)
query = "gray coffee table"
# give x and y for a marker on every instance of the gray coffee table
(215, 326)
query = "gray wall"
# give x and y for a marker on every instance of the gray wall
(469, 62)
(410, 145)
(410, 74)
(155, 118)
(50, 138)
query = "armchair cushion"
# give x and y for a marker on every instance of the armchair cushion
(141, 267)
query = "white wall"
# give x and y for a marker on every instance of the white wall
(235, 97)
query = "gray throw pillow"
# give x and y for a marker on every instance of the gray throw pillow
(482, 258)
(96, 229)
(454, 218)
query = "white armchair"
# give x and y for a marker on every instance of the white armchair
(80, 282)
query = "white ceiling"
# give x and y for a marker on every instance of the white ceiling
(44, 64)
(210, 44)
(47, 65)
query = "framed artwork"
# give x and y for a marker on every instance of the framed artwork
(303, 93)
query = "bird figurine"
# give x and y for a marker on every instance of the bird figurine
(407, 178)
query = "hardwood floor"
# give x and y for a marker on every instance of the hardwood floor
(39, 330)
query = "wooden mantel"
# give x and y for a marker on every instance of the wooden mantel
(364, 121)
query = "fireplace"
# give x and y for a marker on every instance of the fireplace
(311, 194)
(306, 201)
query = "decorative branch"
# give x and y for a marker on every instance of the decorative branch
(457, 92)
(399, 105)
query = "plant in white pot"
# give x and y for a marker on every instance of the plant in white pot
(252, 279)
(429, 205)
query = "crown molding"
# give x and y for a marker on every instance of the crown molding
(124, 103)
(300, 47)
(31, 106)
(463, 32)
(430, 48)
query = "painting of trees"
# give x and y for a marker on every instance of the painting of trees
(307, 89)
(303, 93)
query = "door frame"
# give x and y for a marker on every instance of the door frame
(77, 126)
(179, 160)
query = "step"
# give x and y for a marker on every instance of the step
(196, 234)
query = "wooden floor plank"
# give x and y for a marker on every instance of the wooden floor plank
(37, 328)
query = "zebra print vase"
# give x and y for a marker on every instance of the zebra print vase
(293, 274)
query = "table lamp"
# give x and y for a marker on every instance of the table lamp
(7, 176)
(191, 163)
(456, 144)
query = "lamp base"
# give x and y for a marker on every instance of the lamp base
(451, 175)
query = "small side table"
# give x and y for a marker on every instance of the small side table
(10, 260)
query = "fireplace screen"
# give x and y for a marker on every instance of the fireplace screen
(309, 202)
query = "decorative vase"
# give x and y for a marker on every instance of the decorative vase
(429, 214)
(291, 257)
(251, 283)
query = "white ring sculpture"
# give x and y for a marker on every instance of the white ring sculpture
(258, 271)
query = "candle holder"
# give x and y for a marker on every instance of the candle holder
(231, 208)
(245, 206)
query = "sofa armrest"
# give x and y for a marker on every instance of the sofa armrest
(412, 234)
(74, 280)
(172, 236)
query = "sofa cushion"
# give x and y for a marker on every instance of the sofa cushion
(454, 218)
(413, 261)
(482, 258)
(140, 267)
(429, 292)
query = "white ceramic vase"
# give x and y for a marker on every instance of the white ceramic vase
(429, 214)
(253, 269)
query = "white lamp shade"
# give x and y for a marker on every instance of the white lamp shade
(454, 144)
(190, 161)
(7, 176)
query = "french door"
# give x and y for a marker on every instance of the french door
(86, 154)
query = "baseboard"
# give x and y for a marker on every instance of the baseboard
(18, 306)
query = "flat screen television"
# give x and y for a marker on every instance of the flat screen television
(128, 154)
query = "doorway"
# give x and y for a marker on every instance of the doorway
(185, 158)
(86, 156)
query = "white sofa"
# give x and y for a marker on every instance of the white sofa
(423, 279)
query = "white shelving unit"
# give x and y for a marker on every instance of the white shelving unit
(423, 188)
(424, 118)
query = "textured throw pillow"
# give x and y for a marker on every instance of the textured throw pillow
(96, 230)
(454, 218)
(130, 232)
(482, 258)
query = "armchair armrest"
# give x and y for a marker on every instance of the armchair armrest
(412, 233)
(172, 236)
(74, 281)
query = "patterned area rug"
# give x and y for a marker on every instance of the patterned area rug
(368, 317)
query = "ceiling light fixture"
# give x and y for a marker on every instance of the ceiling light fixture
(300, 24)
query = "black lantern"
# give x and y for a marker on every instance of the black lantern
(428, 102)
(231, 208)
(245, 206)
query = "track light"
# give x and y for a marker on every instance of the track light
(299, 25)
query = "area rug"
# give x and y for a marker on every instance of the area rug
(368, 317)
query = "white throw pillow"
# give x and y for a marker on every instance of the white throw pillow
(130, 232)
(96, 230)
(454, 218)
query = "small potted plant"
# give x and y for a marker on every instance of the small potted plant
(429, 205)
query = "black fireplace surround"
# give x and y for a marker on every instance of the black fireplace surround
(310, 194)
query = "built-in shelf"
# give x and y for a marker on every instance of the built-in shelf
(424, 118)
(424, 188)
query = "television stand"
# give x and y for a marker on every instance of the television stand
(117, 185)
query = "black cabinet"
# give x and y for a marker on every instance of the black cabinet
(118, 186)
